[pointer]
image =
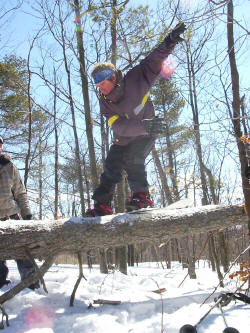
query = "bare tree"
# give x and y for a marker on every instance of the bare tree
(85, 93)
(237, 119)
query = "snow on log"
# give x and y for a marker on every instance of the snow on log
(43, 238)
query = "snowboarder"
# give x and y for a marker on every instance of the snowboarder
(125, 102)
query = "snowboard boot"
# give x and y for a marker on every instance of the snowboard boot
(99, 210)
(140, 199)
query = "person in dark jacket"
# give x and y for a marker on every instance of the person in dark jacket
(13, 201)
(125, 102)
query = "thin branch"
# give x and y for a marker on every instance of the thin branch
(11, 9)
(72, 298)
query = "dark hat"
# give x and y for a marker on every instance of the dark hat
(1, 140)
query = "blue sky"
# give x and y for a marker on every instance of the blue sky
(22, 24)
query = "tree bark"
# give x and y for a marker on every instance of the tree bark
(103, 262)
(163, 177)
(43, 238)
(169, 254)
(87, 110)
(236, 105)
(40, 151)
(197, 135)
(191, 259)
(216, 260)
(72, 109)
(131, 255)
(56, 153)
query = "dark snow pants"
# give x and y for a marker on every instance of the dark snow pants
(130, 158)
(24, 266)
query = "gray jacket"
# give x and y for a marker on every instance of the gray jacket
(129, 102)
(13, 196)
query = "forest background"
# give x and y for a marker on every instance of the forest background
(49, 112)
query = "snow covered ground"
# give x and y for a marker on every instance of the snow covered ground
(141, 310)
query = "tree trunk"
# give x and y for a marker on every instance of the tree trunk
(87, 113)
(162, 175)
(216, 260)
(122, 260)
(131, 255)
(27, 157)
(169, 254)
(72, 109)
(86, 177)
(210, 253)
(191, 261)
(103, 262)
(56, 151)
(170, 154)
(76, 234)
(40, 176)
(194, 107)
(113, 32)
(236, 106)
(223, 251)
(178, 250)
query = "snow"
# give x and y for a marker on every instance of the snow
(141, 310)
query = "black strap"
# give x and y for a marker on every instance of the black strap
(241, 297)
(225, 298)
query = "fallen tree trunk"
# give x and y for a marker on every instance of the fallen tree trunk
(45, 238)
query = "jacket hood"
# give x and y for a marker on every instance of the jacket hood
(4, 159)
(118, 92)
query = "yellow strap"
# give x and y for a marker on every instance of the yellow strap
(139, 107)
(112, 120)
(145, 98)
(115, 117)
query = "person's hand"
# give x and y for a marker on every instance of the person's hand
(27, 217)
(154, 126)
(177, 31)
